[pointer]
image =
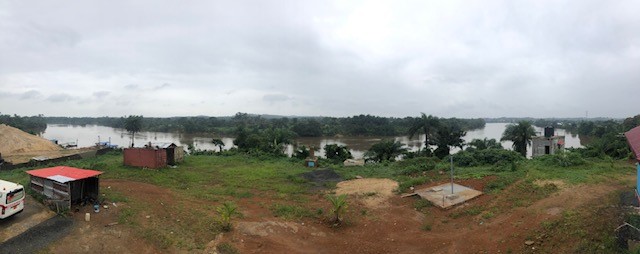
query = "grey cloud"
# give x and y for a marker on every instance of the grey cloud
(60, 97)
(101, 94)
(165, 85)
(31, 94)
(275, 98)
(491, 58)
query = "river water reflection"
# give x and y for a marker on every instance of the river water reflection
(88, 135)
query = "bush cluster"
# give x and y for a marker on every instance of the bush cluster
(562, 159)
(486, 157)
(415, 165)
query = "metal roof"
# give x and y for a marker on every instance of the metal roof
(63, 174)
(633, 138)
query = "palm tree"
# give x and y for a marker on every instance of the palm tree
(338, 207)
(520, 134)
(448, 135)
(226, 211)
(426, 125)
(218, 142)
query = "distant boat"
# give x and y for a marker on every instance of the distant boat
(106, 145)
(69, 145)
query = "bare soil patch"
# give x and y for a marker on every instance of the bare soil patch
(13, 140)
(558, 183)
(17, 146)
(373, 192)
(103, 233)
(398, 228)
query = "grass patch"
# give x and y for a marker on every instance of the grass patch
(421, 204)
(125, 216)
(290, 212)
(233, 177)
(406, 182)
(471, 211)
(226, 248)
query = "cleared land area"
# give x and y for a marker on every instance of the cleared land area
(535, 208)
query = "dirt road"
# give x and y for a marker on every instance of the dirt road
(38, 237)
(33, 214)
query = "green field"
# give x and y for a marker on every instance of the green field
(215, 179)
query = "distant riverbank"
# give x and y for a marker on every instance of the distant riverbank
(88, 135)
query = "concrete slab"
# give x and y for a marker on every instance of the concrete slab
(443, 196)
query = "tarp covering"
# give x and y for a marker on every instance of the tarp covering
(63, 174)
(633, 138)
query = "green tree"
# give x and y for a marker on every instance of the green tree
(337, 152)
(307, 128)
(338, 207)
(225, 212)
(425, 125)
(447, 135)
(520, 134)
(386, 150)
(218, 142)
(276, 140)
(483, 144)
(133, 124)
(301, 152)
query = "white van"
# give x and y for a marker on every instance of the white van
(11, 198)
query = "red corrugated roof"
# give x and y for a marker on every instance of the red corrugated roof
(64, 173)
(633, 138)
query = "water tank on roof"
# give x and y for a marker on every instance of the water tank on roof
(548, 131)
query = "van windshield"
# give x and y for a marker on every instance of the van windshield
(15, 195)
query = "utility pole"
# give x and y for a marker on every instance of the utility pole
(451, 159)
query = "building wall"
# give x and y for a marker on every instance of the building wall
(539, 144)
(143, 157)
(49, 188)
(179, 154)
(66, 193)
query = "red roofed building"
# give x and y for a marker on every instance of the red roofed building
(633, 138)
(65, 185)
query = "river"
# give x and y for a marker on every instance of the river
(88, 135)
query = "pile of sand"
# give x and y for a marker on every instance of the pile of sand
(371, 191)
(14, 141)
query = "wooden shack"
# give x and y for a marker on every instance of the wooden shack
(65, 186)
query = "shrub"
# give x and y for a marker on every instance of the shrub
(486, 157)
(337, 152)
(562, 159)
(415, 165)
(226, 248)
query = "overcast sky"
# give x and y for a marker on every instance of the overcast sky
(320, 58)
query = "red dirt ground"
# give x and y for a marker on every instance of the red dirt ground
(395, 227)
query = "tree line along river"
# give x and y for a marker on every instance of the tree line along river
(88, 135)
